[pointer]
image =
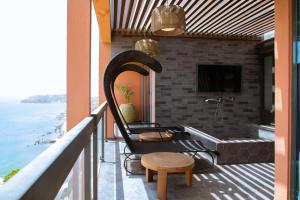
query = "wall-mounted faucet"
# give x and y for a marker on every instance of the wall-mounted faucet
(219, 109)
(211, 100)
(219, 99)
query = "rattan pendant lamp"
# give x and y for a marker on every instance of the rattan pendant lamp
(146, 45)
(168, 20)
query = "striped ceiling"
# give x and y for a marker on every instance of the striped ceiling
(211, 18)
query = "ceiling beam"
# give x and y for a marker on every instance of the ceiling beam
(225, 14)
(221, 9)
(210, 36)
(122, 14)
(135, 15)
(102, 10)
(231, 16)
(128, 14)
(257, 20)
(206, 10)
(247, 16)
(142, 14)
(204, 18)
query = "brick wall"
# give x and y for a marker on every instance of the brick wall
(177, 101)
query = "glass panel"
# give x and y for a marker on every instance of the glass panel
(72, 188)
(100, 138)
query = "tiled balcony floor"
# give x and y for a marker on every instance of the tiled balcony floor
(244, 181)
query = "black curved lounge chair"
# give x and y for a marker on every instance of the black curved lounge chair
(125, 62)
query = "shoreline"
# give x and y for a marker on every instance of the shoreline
(44, 138)
(51, 136)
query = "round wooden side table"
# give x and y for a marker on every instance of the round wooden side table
(164, 163)
(155, 136)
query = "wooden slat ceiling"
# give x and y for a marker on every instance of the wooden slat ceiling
(211, 18)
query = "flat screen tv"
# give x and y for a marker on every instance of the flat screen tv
(219, 78)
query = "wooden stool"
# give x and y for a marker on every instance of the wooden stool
(155, 136)
(164, 163)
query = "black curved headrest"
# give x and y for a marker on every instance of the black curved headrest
(128, 67)
(126, 61)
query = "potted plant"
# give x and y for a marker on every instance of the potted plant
(126, 109)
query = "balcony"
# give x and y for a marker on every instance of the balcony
(86, 143)
(252, 159)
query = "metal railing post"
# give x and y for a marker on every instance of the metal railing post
(87, 170)
(95, 161)
(102, 136)
(105, 124)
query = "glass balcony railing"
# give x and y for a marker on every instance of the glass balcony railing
(66, 170)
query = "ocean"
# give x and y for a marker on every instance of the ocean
(26, 130)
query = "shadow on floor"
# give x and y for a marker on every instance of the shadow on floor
(243, 181)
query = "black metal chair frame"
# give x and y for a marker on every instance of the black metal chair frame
(138, 130)
(142, 71)
(130, 61)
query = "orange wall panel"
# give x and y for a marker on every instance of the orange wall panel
(78, 61)
(78, 72)
(133, 81)
(104, 58)
(283, 67)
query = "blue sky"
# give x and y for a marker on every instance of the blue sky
(33, 47)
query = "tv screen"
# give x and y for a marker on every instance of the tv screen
(219, 78)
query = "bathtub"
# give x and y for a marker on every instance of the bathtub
(257, 147)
